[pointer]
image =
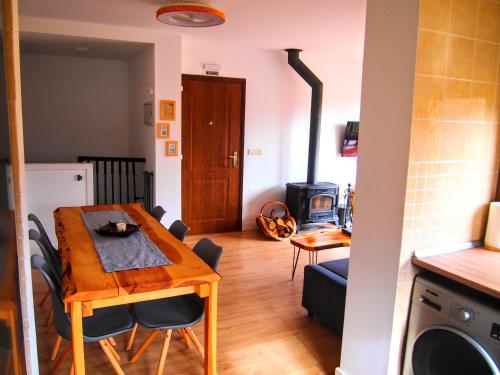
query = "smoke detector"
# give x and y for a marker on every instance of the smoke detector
(190, 15)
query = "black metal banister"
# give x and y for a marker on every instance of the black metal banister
(120, 184)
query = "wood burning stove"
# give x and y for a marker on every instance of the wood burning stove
(313, 203)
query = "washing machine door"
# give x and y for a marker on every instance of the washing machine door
(442, 350)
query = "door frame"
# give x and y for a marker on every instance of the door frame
(242, 82)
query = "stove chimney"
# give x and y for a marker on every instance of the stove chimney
(316, 102)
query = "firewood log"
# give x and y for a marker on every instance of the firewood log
(281, 224)
(271, 225)
(281, 233)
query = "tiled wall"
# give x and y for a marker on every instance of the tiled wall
(455, 140)
(455, 144)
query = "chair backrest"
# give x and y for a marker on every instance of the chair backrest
(61, 320)
(158, 212)
(41, 229)
(48, 254)
(209, 252)
(179, 229)
(46, 239)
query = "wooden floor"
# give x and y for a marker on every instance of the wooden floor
(262, 327)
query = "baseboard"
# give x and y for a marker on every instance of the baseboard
(339, 371)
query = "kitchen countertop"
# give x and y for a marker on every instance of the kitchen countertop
(477, 268)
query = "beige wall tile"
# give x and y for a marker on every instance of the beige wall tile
(460, 58)
(428, 98)
(463, 19)
(494, 142)
(485, 62)
(476, 144)
(431, 53)
(434, 14)
(451, 142)
(482, 101)
(489, 21)
(456, 100)
(424, 144)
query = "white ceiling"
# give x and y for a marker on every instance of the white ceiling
(274, 24)
(61, 45)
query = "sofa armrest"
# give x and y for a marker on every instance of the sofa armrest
(324, 295)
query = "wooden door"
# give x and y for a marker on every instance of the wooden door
(212, 151)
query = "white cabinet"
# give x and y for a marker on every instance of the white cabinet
(49, 186)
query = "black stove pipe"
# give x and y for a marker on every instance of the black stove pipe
(316, 102)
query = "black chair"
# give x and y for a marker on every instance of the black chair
(50, 256)
(100, 327)
(158, 212)
(54, 257)
(181, 312)
(179, 229)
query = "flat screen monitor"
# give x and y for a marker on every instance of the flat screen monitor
(350, 146)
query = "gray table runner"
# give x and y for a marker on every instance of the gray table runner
(118, 253)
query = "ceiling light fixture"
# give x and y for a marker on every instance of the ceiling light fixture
(190, 15)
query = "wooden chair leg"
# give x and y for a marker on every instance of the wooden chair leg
(184, 335)
(106, 348)
(164, 351)
(61, 359)
(45, 296)
(144, 345)
(196, 342)
(112, 341)
(55, 350)
(50, 314)
(50, 327)
(113, 351)
(8, 362)
(131, 338)
(72, 369)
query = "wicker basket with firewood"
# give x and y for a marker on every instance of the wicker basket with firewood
(278, 228)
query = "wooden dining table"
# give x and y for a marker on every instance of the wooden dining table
(86, 286)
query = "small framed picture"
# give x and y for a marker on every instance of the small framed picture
(167, 110)
(163, 130)
(171, 148)
(148, 114)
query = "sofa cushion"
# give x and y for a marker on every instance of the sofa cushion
(338, 266)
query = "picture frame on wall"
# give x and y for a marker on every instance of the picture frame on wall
(163, 130)
(167, 110)
(148, 114)
(171, 148)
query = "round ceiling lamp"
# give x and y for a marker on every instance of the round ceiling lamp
(190, 15)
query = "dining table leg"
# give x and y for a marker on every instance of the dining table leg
(211, 330)
(77, 338)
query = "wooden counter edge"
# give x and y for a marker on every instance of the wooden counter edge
(421, 262)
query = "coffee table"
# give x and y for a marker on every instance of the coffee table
(314, 242)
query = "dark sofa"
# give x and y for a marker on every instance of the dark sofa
(324, 292)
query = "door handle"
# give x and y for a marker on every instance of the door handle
(234, 156)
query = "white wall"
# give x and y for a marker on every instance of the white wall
(277, 115)
(74, 106)
(341, 103)
(386, 109)
(141, 81)
(167, 69)
(167, 82)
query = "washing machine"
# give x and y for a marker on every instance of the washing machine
(452, 330)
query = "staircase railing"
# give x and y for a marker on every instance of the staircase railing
(115, 180)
